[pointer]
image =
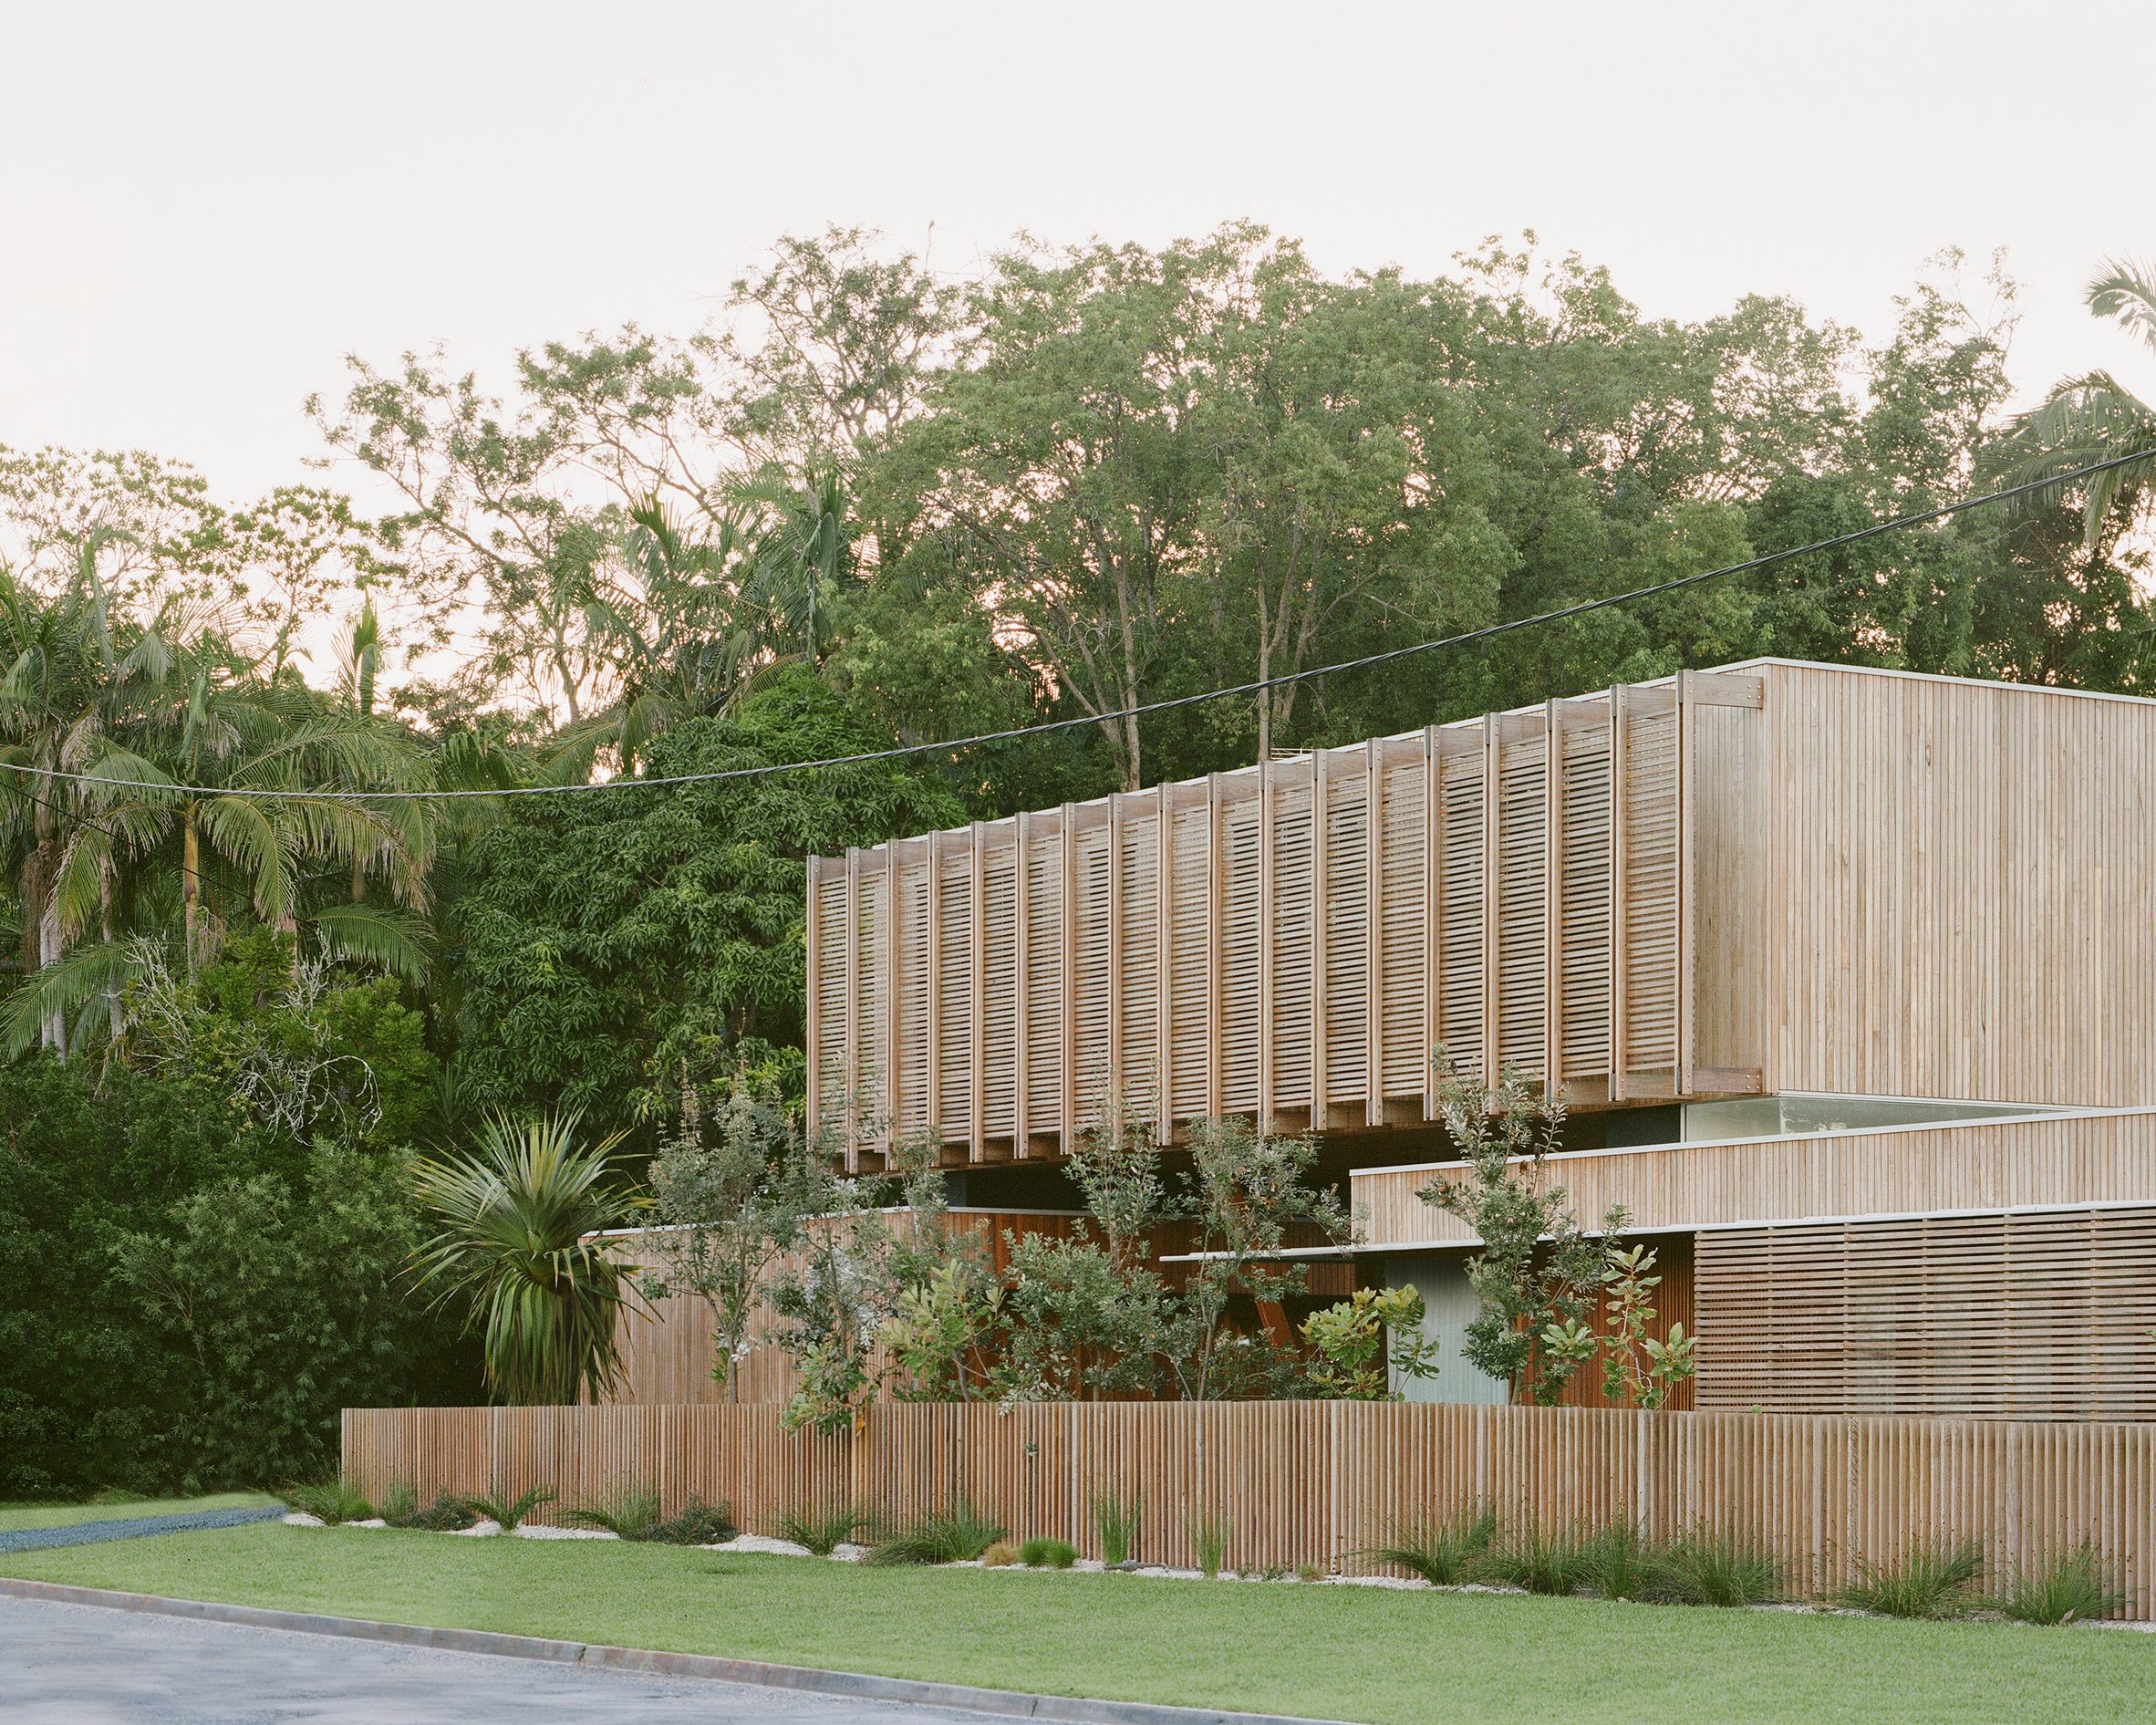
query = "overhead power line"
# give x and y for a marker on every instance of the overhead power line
(1226, 692)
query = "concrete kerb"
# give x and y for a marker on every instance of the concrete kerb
(851, 1685)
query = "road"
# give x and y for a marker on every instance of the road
(87, 1665)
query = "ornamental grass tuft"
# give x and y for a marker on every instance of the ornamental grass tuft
(825, 1531)
(1934, 1578)
(1718, 1569)
(2069, 1589)
(1048, 1554)
(1540, 1561)
(1443, 1552)
(954, 1535)
(334, 1500)
(633, 1512)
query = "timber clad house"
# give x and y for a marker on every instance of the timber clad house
(1847, 977)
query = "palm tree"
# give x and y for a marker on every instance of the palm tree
(2094, 417)
(519, 1219)
(63, 688)
(675, 617)
(193, 777)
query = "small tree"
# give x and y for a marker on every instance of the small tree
(1536, 1275)
(1249, 1188)
(1637, 1369)
(946, 1303)
(732, 1204)
(1350, 1340)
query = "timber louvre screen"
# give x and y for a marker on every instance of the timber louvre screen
(1320, 924)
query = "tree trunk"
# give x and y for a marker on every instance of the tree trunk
(190, 883)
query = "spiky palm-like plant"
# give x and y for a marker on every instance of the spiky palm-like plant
(520, 1216)
(2093, 417)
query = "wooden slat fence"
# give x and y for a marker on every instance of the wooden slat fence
(1321, 1482)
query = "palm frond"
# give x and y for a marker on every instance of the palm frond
(2126, 293)
(373, 934)
(75, 985)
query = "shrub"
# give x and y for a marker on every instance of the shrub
(698, 1524)
(1308, 1572)
(1540, 1562)
(510, 1512)
(956, 1535)
(2069, 1589)
(631, 1513)
(1442, 1553)
(399, 1503)
(1719, 1569)
(1002, 1555)
(446, 1514)
(1048, 1554)
(1934, 1578)
(825, 1531)
(1624, 1564)
(1208, 1531)
(1115, 1525)
(335, 1500)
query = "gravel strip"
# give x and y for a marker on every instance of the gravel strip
(33, 1539)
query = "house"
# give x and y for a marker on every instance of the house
(1847, 977)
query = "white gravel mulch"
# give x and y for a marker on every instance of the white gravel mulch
(299, 1518)
(846, 1551)
(483, 1528)
(761, 1543)
(372, 1521)
(535, 1530)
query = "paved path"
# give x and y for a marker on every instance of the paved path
(32, 1538)
(86, 1665)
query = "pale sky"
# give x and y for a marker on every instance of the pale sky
(202, 208)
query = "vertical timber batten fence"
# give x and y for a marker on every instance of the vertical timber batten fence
(1323, 1482)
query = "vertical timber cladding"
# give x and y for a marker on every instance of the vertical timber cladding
(1287, 941)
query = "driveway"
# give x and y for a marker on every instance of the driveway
(85, 1665)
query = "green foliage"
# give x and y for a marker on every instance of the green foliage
(1443, 1552)
(1720, 1569)
(825, 1531)
(632, 1512)
(2071, 1588)
(1624, 1564)
(1536, 1275)
(1932, 1578)
(510, 1512)
(1048, 1554)
(516, 1246)
(1637, 1370)
(697, 1523)
(335, 1499)
(1350, 1339)
(1541, 1560)
(1115, 1522)
(1209, 1532)
(446, 1514)
(954, 1535)
(731, 1202)
(608, 943)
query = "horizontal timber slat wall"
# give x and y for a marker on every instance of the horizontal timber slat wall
(1320, 1482)
(1289, 940)
(2045, 1316)
(2106, 1157)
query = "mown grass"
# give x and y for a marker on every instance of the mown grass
(1387, 1656)
(21, 1515)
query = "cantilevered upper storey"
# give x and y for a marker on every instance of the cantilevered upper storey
(1776, 877)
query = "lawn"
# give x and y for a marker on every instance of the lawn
(21, 1515)
(1390, 1657)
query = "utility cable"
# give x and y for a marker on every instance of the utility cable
(1256, 686)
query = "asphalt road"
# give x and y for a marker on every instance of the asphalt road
(85, 1665)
